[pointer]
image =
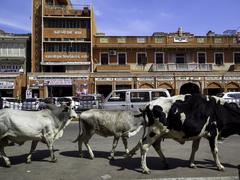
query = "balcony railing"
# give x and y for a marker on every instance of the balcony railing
(51, 10)
(115, 68)
(181, 67)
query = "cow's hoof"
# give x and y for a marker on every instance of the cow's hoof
(192, 165)
(91, 157)
(29, 161)
(81, 155)
(54, 160)
(146, 171)
(221, 168)
(111, 158)
(8, 164)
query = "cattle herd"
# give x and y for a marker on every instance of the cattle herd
(181, 118)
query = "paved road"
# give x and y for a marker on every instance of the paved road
(71, 167)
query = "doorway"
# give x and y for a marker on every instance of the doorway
(190, 88)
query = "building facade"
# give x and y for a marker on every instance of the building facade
(179, 61)
(62, 48)
(69, 57)
(14, 60)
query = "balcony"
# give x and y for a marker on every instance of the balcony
(73, 57)
(66, 11)
(62, 33)
(112, 68)
(181, 67)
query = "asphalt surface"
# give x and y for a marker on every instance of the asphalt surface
(70, 167)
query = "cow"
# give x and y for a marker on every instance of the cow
(187, 118)
(116, 123)
(46, 126)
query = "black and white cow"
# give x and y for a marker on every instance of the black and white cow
(184, 118)
(46, 126)
(116, 123)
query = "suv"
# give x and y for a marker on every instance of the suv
(31, 104)
(63, 101)
(233, 98)
(10, 102)
(88, 101)
(132, 99)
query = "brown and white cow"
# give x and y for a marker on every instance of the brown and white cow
(184, 118)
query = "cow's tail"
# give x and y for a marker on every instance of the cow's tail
(130, 134)
(144, 123)
(80, 128)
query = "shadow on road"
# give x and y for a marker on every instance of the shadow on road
(155, 163)
(38, 155)
(97, 154)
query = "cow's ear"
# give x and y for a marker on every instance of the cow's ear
(140, 110)
(158, 113)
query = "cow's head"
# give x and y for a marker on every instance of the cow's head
(65, 114)
(68, 112)
(154, 114)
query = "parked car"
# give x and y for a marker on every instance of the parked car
(63, 100)
(50, 100)
(233, 98)
(88, 101)
(31, 104)
(132, 99)
(10, 102)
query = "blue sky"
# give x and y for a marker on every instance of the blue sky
(138, 17)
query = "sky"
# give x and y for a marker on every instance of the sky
(138, 17)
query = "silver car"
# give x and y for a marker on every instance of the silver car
(132, 99)
(31, 104)
(233, 98)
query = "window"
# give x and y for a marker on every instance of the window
(201, 57)
(217, 40)
(156, 95)
(200, 40)
(159, 58)
(104, 58)
(117, 96)
(142, 58)
(159, 40)
(236, 57)
(122, 58)
(139, 97)
(103, 40)
(180, 58)
(218, 58)
(121, 40)
(141, 40)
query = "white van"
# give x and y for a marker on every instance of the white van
(132, 99)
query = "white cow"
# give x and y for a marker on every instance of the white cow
(116, 123)
(46, 126)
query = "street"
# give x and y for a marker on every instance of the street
(70, 167)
